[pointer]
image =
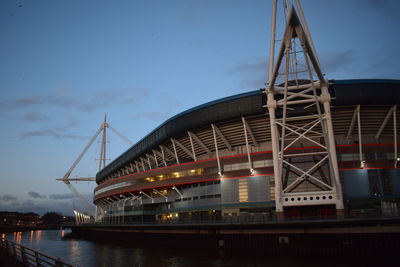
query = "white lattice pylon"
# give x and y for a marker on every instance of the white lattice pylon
(300, 116)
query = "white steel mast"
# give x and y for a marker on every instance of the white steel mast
(299, 109)
(102, 160)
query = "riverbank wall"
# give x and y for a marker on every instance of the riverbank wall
(322, 237)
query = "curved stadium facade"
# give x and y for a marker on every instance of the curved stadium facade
(214, 162)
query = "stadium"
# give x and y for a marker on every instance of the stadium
(302, 147)
(214, 162)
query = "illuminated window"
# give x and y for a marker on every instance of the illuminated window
(243, 190)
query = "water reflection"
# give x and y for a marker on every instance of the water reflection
(18, 237)
(137, 256)
(38, 236)
(60, 244)
(74, 251)
(31, 237)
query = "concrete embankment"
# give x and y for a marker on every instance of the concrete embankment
(325, 237)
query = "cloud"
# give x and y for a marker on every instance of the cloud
(151, 115)
(336, 61)
(387, 67)
(72, 122)
(62, 196)
(26, 203)
(23, 102)
(169, 99)
(100, 99)
(192, 10)
(105, 98)
(8, 198)
(386, 7)
(248, 67)
(33, 117)
(40, 206)
(56, 133)
(123, 95)
(253, 73)
(345, 64)
(35, 195)
(61, 132)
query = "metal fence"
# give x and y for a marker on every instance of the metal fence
(28, 256)
(250, 219)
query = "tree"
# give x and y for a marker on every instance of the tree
(52, 218)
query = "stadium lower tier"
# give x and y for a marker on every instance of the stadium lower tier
(197, 192)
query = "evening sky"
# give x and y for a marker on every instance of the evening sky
(65, 63)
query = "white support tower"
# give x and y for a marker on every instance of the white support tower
(299, 109)
(102, 160)
(103, 144)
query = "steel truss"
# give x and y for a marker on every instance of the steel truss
(301, 178)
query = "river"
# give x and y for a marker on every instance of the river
(81, 252)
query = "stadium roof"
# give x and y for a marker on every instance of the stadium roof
(344, 92)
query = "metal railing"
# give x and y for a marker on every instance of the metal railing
(28, 256)
(254, 219)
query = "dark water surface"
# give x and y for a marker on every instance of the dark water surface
(81, 252)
